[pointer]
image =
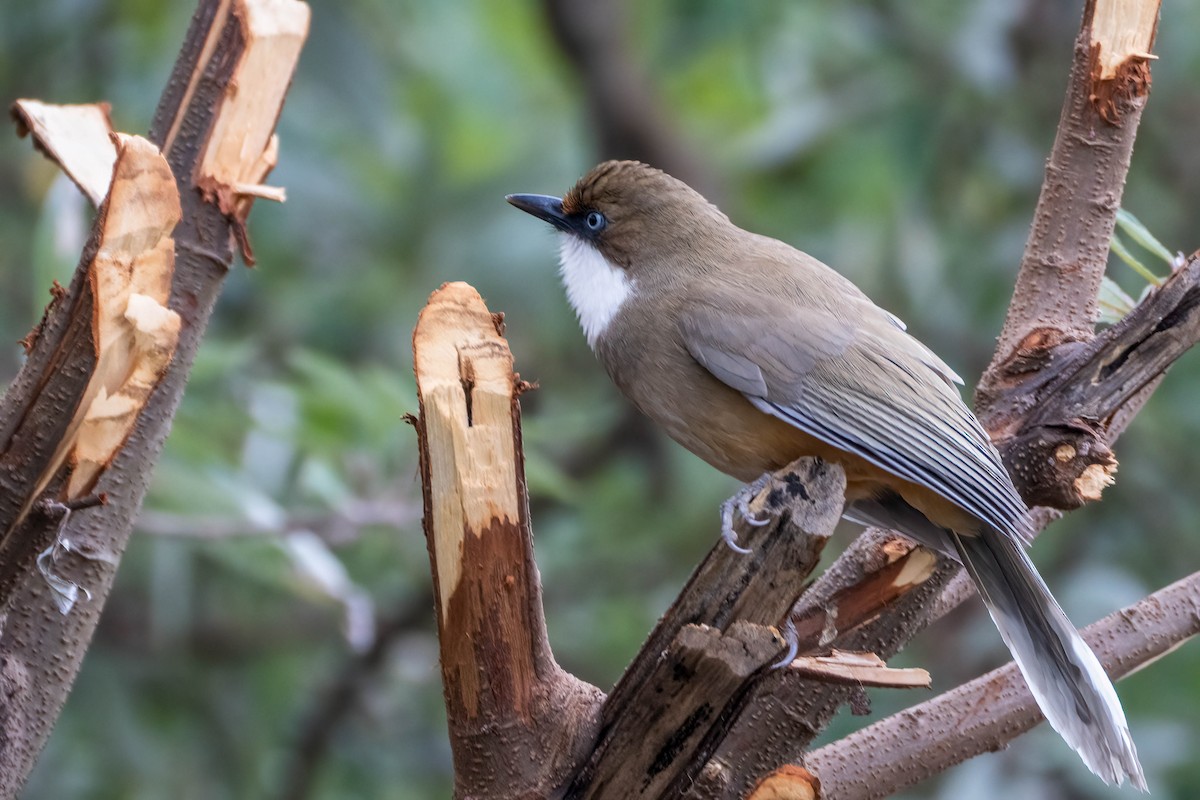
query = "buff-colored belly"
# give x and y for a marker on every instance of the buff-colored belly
(738, 439)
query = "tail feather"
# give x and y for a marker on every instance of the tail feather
(1064, 675)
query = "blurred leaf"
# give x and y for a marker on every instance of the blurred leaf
(1132, 227)
(1123, 253)
(1114, 302)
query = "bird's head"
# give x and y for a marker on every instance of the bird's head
(623, 224)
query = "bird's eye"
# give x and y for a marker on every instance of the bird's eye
(595, 221)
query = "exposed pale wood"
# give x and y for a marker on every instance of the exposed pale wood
(242, 149)
(504, 692)
(76, 137)
(467, 387)
(135, 332)
(874, 573)
(41, 647)
(789, 782)
(1123, 33)
(276, 193)
(860, 669)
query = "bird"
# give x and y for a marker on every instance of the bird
(751, 354)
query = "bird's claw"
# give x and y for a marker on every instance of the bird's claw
(741, 502)
(727, 531)
(791, 638)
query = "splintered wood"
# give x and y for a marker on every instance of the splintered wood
(860, 669)
(504, 692)
(488, 597)
(134, 333)
(1123, 30)
(1122, 35)
(76, 137)
(243, 148)
(466, 384)
(888, 571)
(84, 421)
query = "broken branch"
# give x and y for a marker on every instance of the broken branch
(1061, 456)
(40, 647)
(76, 137)
(859, 669)
(128, 271)
(504, 691)
(755, 591)
(1055, 297)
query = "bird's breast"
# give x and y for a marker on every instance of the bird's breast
(717, 423)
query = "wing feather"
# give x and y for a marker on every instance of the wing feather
(859, 383)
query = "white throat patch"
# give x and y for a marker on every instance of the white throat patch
(595, 288)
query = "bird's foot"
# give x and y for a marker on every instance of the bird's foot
(791, 637)
(741, 502)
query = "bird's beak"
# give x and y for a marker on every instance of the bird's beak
(543, 206)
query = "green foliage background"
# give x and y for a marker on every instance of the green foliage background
(901, 142)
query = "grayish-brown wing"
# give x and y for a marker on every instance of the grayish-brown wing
(853, 378)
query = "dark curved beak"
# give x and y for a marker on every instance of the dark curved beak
(543, 206)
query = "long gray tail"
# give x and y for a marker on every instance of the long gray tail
(1067, 681)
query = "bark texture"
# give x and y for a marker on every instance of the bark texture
(923, 741)
(506, 697)
(40, 646)
(656, 754)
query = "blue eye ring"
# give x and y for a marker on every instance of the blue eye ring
(595, 221)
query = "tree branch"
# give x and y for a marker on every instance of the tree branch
(874, 598)
(236, 62)
(675, 704)
(1061, 457)
(1054, 303)
(925, 740)
(1054, 300)
(504, 692)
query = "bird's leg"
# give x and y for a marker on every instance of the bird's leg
(741, 502)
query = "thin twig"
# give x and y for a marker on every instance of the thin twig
(336, 527)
